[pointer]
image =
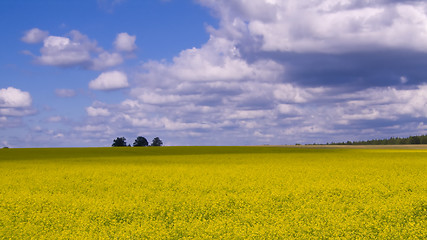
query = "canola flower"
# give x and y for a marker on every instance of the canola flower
(213, 193)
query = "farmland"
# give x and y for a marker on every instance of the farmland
(213, 193)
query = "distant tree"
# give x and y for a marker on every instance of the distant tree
(393, 140)
(414, 140)
(119, 142)
(140, 142)
(157, 142)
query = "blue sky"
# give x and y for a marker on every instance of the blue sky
(211, 72)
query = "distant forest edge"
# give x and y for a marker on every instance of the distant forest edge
(391, 141)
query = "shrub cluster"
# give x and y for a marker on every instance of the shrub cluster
(139, 142)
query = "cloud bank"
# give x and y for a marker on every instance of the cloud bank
(287, 71)
(328, 26)
(272, 72)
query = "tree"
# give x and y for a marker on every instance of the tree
(140, 142)
(157, 142)
(415, 140)
(119, 142)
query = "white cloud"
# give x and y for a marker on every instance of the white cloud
(173, 125)
(217, 61)
(14, 98)
(92, 128)
(289, 109)
(403, 79)
(34, 35)
(105, 60)
(125, 42)
(132, 104)
(387, 103)
(135, 121)
(159, 98)
(206, 65)
(109, 81)
(249, 114)
(262, 135)
(65, 93)
(290, 94)
(97, 112)
(220, 60)
(76, 49)
(59, 135)
(323, 25)
(62, 51)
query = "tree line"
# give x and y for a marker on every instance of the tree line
(139, 142)
(390, 141)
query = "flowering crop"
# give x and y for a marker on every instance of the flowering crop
(213, 193)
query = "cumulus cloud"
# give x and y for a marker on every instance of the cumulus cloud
(76, 50)
(14, 98)
(125, 42)
(105, 60)
(34, 35)
(323, 25)
(96, 112)
(218, 60)
(387, 103)
(288, 93)
(63, 51)
(14, 104)
(289, 109)
(110, 81)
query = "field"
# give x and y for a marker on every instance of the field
(213, 193)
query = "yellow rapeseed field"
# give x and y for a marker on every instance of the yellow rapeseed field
(213, 193)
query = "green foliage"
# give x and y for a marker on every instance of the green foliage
(157, 142)
(119, 142)
(213, 193)
(391, 141)
(140, 142)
